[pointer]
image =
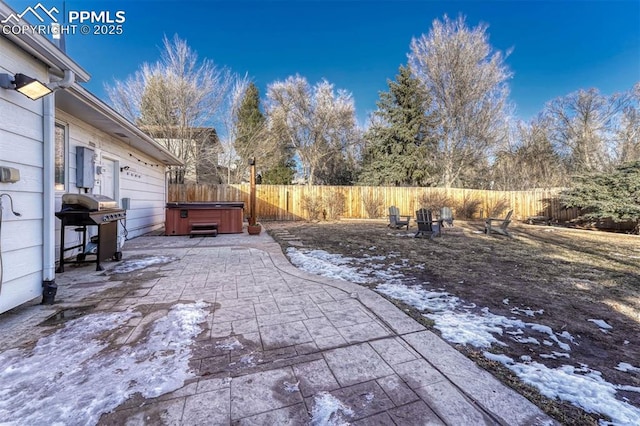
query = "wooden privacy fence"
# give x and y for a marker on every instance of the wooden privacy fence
(288, 202)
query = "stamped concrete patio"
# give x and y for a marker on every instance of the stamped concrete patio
(277, 341)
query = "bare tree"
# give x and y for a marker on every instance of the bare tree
(582, 125)
(317, 122)
(628, 130)
(530, 161)
(466, 81)
(229, 122)
(178, 101)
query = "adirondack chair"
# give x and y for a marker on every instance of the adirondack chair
(500, 225)
(396, 220)
(446, 216)
(427, 225)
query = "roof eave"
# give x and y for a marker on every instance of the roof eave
(126, 131)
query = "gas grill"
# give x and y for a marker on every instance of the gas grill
(82, 210)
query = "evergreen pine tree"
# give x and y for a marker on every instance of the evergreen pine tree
(281, 174)
(250, 122)
(249, 126)
(398, 145)
(614, 195)
(273, 160)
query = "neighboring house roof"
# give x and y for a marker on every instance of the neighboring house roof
(82, 104)
(43, 49)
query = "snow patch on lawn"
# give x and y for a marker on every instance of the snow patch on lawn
(580, 386)
(601, 323)
(464, 324)
(320, 262)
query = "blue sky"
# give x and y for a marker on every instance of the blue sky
(557, 46)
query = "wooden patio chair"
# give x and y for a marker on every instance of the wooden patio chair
(427, 225)
(396, 220)
(500, 226)
(446, 216)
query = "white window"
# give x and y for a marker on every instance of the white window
(61, 158)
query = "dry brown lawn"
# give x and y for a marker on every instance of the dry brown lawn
(574, 275)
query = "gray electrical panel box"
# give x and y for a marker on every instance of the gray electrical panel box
(126, 203)
(84, 167)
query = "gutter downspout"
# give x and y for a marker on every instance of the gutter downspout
(49, 195)
(67, 81)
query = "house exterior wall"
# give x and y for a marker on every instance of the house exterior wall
(143, 182)
(21, 147)
(29, 243)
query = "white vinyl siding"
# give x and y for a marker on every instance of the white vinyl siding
(21, 147)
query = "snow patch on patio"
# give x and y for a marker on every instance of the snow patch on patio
(75, 375)
(292, 387)
(229, 344)
(329, 411)
(131, 265)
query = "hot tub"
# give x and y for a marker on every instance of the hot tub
(180, 217)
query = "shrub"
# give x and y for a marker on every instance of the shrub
(498, 208)
(313, 206)
(334, 202)
(468, 207)
(373, 205)
(434, 201)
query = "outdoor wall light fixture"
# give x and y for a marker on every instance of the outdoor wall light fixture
(122, 169)
(30, 87)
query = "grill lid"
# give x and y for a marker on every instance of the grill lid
(90, 201)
